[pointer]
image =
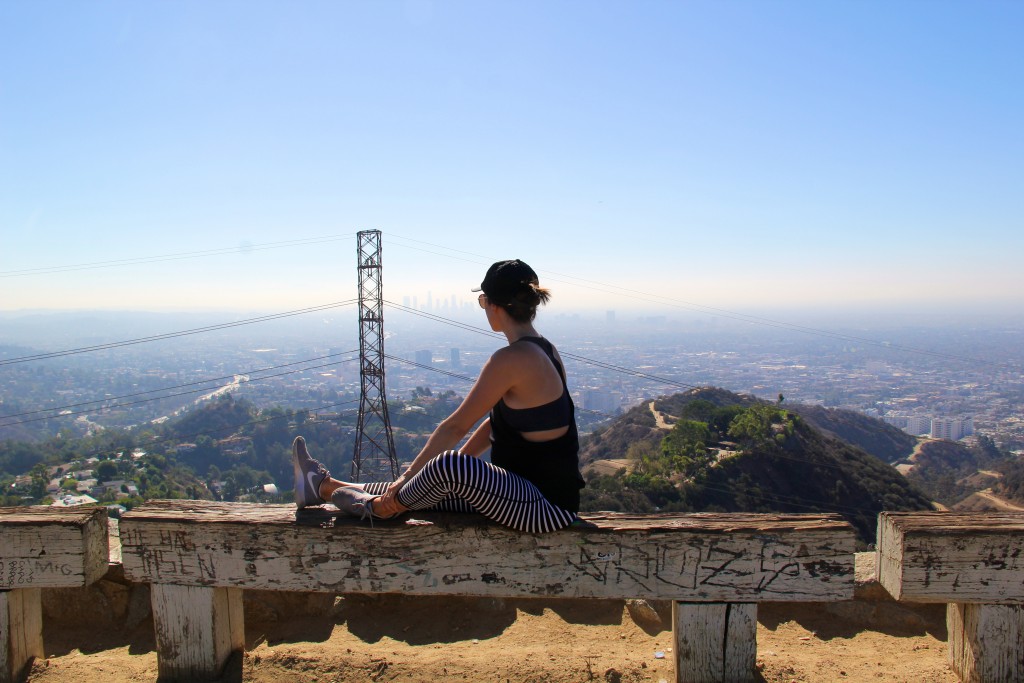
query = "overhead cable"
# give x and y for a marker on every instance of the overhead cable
(179, 386)
(172, 335)
(102, 409)
(734, 315)
(241, 249)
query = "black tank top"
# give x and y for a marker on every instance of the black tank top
(552, 466)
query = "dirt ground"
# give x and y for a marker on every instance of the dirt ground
(396, 638)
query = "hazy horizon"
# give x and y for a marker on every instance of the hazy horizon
(746, 156)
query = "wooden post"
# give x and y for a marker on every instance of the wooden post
(21, 632)
(715, 642)
(197, 629)
(42, 547)
(986, 642)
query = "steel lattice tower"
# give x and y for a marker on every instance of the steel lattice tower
(374, 456)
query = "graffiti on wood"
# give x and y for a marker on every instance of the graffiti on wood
(24, 573)
(691, 566)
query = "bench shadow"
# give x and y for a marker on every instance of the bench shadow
(418, 620)
(62, 639)
(421, 620)
(849, 618)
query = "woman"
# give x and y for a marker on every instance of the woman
(532, 482)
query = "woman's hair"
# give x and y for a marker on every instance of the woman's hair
(523, 306)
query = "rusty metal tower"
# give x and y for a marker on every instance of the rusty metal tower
(374, 456)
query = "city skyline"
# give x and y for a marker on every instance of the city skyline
(738, 156)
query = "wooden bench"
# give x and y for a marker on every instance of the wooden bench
(42, 547)
(199, 556)
(973, 562)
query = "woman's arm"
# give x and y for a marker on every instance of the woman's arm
(496, 378)
(480, 441)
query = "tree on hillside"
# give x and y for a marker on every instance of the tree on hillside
(686, 446)
(754, 426)
(106, 470)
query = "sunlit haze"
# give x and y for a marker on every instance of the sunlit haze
(663, 156)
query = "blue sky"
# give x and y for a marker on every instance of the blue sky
(744, 155)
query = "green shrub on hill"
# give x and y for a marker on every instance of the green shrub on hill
(778, 463)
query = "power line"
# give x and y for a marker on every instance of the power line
(583, 359)
(172, 335)
(628, 371)
(215, 430)
(447, 321)
(792, 500)
(102, 409)
(242, 249)
(427, 367)
(564, 354)
(179, 386)
(734, 315)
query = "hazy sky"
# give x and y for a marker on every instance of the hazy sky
(731, 154)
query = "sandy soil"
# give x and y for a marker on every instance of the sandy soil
(985, 500)
(393, 638)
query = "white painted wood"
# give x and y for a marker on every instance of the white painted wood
(45, 547)
(695, 557)
(21, 631)
(986, 642)
(197, 629)
(741, 641)
(952, 557)
(715, 642)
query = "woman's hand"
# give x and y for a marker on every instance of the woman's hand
(387, 507)
(388, 504)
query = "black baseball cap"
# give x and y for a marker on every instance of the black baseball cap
(505, 279)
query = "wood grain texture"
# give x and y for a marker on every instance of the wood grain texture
(696, 558)
(715, 642)
(986, 642)
(952, 557)
(21, 631)
(46, 547)
(741, 641)
(197, 629)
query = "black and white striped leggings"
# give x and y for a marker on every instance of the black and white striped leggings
(454, 482)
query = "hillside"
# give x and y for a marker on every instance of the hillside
(949, 471)
(226, 449)
(726, 452)
(880, 439)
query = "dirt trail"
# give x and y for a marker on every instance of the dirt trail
(421, 640)
(999, 503)
(659, 417)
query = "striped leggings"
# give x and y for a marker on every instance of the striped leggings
(453, 482)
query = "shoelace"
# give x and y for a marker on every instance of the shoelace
(367, 512)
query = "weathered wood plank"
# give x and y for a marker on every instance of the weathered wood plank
(21, 632)
(986, 642)
(741, 641)
(197, 629)
(715, 642)
(47, 547)
(952, 557)
(695, 558)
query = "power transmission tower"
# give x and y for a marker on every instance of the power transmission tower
(374, 455)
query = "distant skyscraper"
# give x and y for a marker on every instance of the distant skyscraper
(456, 361)
(430, 301)
(405, 301)
(952, 428)
(424, 357)
(416, 303)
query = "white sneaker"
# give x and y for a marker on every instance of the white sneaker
(355, 502)
(309, 474)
